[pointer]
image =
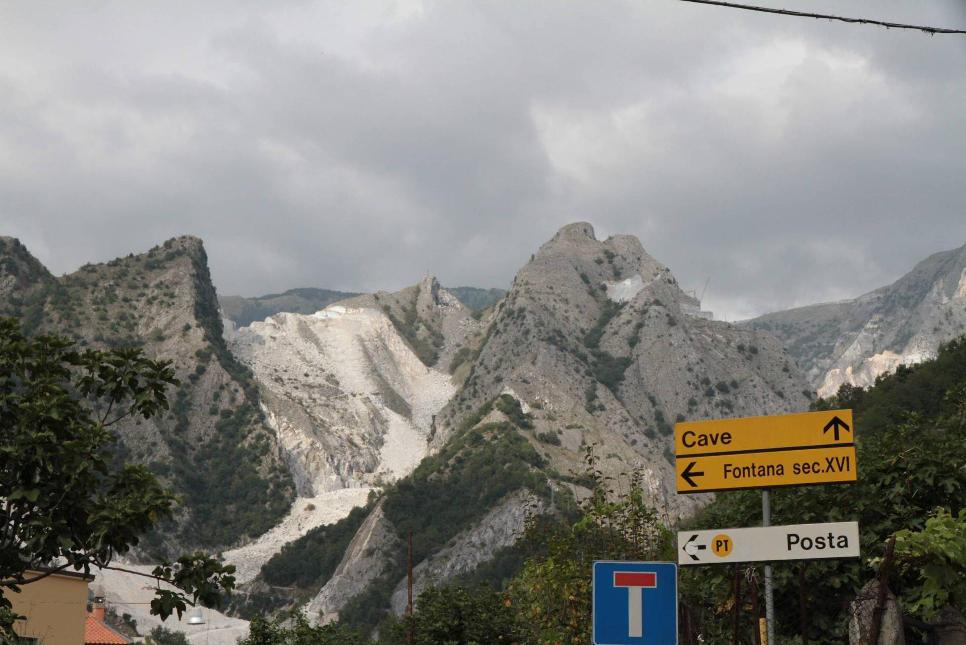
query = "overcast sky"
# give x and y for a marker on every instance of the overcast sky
(358, 145)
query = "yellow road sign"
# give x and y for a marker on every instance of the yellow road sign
(769, 469)
(808, 429)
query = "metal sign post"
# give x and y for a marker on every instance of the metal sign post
(769, 590)
(803, 449)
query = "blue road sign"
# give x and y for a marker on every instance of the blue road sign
(635, 603)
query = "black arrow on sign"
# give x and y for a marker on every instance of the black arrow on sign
(689, 473)
(837, 424)
(694, 547)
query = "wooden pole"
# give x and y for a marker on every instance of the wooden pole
(409, 606)
(803, 602)
(755, 610)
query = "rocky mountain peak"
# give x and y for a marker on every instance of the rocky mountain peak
(19, 272)
(602, 343)
(576, 231)
(186, 242)
(574, 252)
(431, 295)
(211, 446)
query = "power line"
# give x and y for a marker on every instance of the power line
(805, 14)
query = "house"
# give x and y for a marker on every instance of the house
(54, 608)
(97, 632)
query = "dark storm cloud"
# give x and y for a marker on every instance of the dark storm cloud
(359, 145)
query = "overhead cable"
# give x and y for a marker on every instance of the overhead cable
(822, 16)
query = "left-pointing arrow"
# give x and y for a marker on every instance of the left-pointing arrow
(689, 473)
(691, 548)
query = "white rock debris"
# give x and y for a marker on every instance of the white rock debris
(351, 402)
(625, 290)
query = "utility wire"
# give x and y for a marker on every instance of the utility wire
(805, 14)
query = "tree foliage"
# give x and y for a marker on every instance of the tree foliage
(937, 555)
(458, 616)
(65, 504)
(295, 629)
(552, 594)
(161, 636)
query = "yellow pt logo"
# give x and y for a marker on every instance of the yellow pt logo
(722, 545)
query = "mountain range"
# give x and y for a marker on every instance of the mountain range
(451, 415)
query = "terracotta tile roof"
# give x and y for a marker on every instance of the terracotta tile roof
(97, 633)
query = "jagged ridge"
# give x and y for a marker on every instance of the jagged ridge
(212, 447)
(854, 341)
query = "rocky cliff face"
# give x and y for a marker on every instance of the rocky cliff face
(366, 559)
(213, 446)
(501, 527)
(854, 341)
(604, 347)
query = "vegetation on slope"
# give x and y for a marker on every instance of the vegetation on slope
(423, 338)
(245, 311)
(313, 558)
(475, 298)
(448, 493)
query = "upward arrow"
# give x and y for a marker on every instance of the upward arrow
(836, 424)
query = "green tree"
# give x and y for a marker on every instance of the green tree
(459, 616)
(64, 503)
(552, 593)
(937, 555)
(295, 629)
(161, 636)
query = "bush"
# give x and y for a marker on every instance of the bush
(549, 437)
(511, 407)
(296, 630)
(161, 636)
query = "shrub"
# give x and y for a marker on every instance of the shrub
(549, 437)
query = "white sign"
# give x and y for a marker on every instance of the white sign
(793, 542)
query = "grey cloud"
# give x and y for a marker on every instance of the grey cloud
(314, 144)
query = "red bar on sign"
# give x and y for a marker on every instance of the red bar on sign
(635, 579)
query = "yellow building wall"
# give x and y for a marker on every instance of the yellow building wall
(55, 610)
